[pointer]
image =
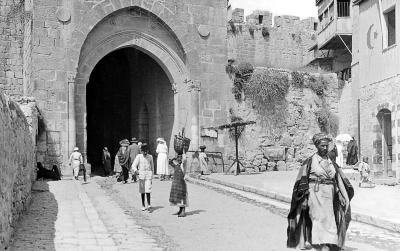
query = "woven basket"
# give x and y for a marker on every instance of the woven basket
(180, 144)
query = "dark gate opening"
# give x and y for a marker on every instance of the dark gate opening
(128, 95)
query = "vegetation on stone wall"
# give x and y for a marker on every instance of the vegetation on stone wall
(232, 27)
(298, 79)
(267, 89)
(240, 74)
(17, 13)
(327, 121)
(252, 28)
(230, 68)
(318, 85)
(265, 32)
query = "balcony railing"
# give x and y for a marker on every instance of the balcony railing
(343, 9)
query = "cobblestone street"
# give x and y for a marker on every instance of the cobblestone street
(70, 215)
(66, 215)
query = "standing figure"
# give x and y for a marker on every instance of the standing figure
(117, 166)
(144, 165)
(320, 209)
(179, 195)
(106, 160)
(203, 160)
(339, 158)
(365, 172)
(75, 160)
(134, 150)
(352, 152)
(162, 158)
(123, 159)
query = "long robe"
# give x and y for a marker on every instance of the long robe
(203, 162)
(299, 221)
(162, 159)
(339, 158)
(352, 152)
(106, 159)
(179, 193)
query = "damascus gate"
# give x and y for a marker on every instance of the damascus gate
(107, 70)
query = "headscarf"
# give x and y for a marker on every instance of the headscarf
(317, 138)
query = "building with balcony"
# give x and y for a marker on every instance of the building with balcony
(334, 37)
(376, 81)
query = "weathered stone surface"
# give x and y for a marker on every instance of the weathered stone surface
(293, 166)
(281, 166)
(274, 153)
(17, 161)
(271, 166)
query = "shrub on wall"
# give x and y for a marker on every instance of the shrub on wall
(232, 27)
(298, 79)
(242, 74)
(252, 28)
(230, 69)
(267, 89)
(327, 121)
(237, 89)
(244, 70)
(265, 32)
(318, 85)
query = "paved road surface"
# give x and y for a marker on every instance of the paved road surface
(69, 215)
(221, 221)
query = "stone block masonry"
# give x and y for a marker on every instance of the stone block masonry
(265, 144)
(17, 162)
(15, 47)
(282, 44)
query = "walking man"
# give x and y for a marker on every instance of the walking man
(144, 165)
(75, 160)
(123, 158)
(133, 152)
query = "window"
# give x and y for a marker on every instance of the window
(315, 26)
(343, 8)
(390, 19)
(260, 19)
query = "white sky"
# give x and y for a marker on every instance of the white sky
(301, 8)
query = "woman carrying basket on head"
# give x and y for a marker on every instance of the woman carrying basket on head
(179, 195)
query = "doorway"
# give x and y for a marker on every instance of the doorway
(128, 95)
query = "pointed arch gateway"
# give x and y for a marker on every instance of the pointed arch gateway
(139, 30)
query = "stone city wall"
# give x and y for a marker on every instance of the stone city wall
(282, 44)
(15, 47)
(17, 161)
(284, 145)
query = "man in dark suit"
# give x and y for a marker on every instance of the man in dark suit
(133, 151)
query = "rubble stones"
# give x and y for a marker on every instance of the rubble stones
(281, 166)
(271, 166)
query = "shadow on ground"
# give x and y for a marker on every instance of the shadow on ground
(36, 228)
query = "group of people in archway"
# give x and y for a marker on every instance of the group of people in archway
(135, 158)
(126, 155)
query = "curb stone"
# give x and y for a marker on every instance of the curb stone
(356, 216)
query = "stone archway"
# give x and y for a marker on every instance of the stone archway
(149, 35)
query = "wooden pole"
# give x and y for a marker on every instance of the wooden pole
(237, 151)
